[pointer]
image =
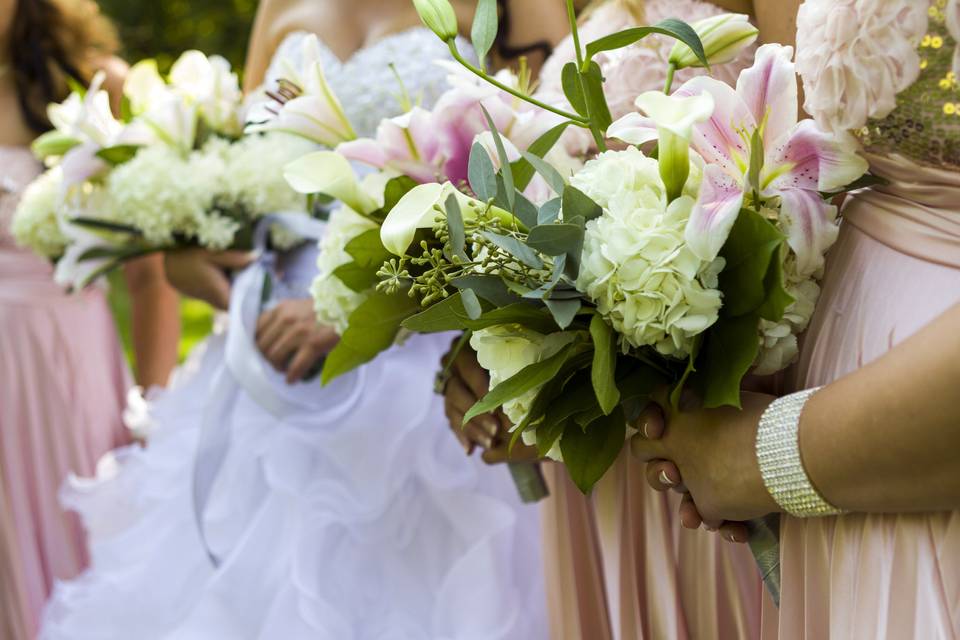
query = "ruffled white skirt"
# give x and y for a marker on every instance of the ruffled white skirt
(362, 520)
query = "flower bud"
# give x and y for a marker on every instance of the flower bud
(439, 17)
(723, 36)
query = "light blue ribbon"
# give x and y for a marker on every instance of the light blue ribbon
(245, 368)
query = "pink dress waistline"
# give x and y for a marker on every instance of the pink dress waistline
(917, 213)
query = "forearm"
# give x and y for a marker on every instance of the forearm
(886, 437)
(155, 321)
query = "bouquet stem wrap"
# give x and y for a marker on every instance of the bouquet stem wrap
(529, 480)
(765, 545)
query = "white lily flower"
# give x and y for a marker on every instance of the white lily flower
(675, 118)
(723, 37)
(330, 174)
(88, 118)
(211, 86)
(144, 86)
(417, 210)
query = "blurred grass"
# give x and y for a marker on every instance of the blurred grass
(196, 318)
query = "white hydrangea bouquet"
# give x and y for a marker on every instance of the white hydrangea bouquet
(174, 171)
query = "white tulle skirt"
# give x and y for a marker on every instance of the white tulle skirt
(370, 526)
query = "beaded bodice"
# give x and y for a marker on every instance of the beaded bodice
(925, 125)
(367, 83)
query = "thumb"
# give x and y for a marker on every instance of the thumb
(647, 450)
(232, 259)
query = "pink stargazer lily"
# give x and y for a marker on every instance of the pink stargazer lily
(799, 160)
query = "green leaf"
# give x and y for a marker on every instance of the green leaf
(450, 315)
(689, 371)
(485, 25)
(556, 239)
(527, 379)
(515, 248)
(458, 239)
(525, 211)
(523, 171)
(481, 174)
(471, 304)
(490, 288)
(603, 372)
(447, 315)
(863, 182)
(55, 143)
(549, 212)
(545, 169)
(570, 79)
(670, 27)
(589, 453)
(105, 225)
(119, 154)
(373, 328)
(522, 313)
(395, 190)
(577, 397)
(730, 349)
(563, 311)
(753, 243)
(505, 170)
(778, 299)
(577, 203)
(592, 82)
(367, 249)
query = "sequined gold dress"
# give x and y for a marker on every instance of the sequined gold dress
(884, 70)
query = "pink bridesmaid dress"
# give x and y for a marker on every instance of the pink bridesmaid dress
(619, 565)
(895, 268)
(63, 386)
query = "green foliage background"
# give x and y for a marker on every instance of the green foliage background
(163, 29)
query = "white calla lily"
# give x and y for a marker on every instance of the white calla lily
(418, 209)
(675, 118)
(329, 173)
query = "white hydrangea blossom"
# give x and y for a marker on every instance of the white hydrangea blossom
(778, 340)
(505, 350)
(333, 300)
(35, 224)
(636, 266)
(254, 172)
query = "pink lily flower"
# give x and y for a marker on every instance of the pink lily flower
(799, 160)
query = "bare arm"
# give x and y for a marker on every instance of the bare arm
(155, 320)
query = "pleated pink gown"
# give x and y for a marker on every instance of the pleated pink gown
(895, 268)
(63, 385)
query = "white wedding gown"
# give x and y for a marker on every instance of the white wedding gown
(356, 517)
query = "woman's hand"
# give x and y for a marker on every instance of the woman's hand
(291, 340)
(709, 456)
(468, 383)
(202, 274)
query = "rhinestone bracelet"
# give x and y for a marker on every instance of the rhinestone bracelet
(778, 452)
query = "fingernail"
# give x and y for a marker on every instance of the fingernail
(730, 537)
(665, 479)
(710, 529)
(645, 429)
(491, 427)
(487, 442)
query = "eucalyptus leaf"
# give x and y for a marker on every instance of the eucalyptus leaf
(563, 311)
(577, 203)
(515, 248)
(490, 288)
(670, 27)
(505, 170)
(471, 304)
(554, 180)
(556, 239)
(589, 453)
(549, 212)
(603, 374)
(484, 31)
(525, 211)
(372, 329)
(458, 240)
(523, 171)
(481, 174)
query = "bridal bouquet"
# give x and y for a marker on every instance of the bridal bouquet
(174, 171)
(688, 259)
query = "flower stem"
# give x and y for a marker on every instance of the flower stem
(517, 94)
(575, 32)
(671, 70)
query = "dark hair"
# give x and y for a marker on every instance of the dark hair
(51, 41)
(507, 52)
